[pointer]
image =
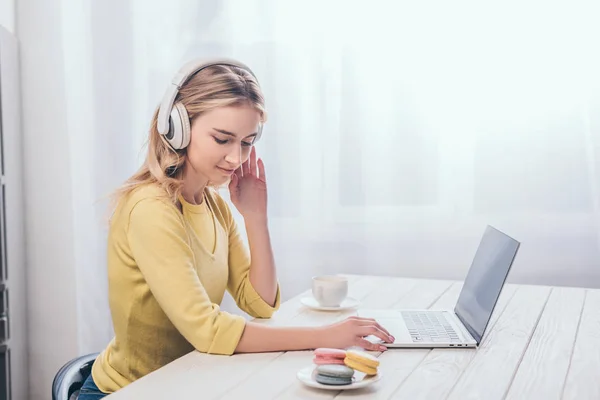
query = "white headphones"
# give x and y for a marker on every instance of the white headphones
(173, 120)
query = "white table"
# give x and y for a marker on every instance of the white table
(542, 343)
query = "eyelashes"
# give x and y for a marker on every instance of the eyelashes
(220, 141)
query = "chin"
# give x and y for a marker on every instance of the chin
(219, 181)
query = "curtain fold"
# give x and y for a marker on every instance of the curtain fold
(396, 130)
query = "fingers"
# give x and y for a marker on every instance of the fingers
(365, 344)
(239, 172)
(252, 160)
(361, 319)
(370, 321)
(376, 331)
(233, 181)
(245, 168)
(261, 170)
(384, 330)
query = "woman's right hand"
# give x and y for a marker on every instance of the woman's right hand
(352, 332)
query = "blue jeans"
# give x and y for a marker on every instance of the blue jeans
(89, 390)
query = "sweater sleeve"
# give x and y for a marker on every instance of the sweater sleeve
(239, 285)
(159, 244)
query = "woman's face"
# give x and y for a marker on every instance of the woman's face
(220, 141)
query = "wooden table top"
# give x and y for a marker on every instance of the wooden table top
(541, 343)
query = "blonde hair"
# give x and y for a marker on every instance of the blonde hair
(213, 87)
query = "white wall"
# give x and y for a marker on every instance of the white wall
(13, 183)
(48, 187)
(68, 148)
(7, 15)
(13, 173)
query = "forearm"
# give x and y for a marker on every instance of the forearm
(258, 338)
(263, 275)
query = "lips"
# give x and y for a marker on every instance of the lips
(227, 171)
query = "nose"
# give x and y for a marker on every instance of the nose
(234, 156)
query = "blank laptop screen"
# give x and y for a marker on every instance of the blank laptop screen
(485, 279)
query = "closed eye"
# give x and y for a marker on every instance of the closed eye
(224, 141)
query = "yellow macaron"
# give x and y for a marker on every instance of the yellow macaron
(361, 361)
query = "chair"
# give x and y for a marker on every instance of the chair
(70, 377)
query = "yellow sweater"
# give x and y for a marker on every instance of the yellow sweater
(168, 271)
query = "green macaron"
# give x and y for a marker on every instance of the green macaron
(334, 374)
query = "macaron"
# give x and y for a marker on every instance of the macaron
(361, 361)
(331, 374)
(324, 356)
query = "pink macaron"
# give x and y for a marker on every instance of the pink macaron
(325, 356)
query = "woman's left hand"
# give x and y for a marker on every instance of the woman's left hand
(248, 188)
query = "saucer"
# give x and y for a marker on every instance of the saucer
(360, 380)
(348, 304)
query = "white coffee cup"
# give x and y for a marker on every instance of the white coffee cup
(330, 290)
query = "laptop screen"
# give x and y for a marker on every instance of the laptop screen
(484, 281)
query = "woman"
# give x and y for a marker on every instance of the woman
(174, 247)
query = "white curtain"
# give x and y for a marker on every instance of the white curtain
(397, 130)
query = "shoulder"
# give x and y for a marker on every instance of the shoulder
(148, 202)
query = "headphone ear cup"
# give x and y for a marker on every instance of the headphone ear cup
(179, 127)
(185, 125)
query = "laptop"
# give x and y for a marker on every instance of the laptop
(465, 325)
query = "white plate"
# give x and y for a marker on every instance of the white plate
(360, 380)
(347, 304)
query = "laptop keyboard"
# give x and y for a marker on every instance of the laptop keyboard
(430, 326)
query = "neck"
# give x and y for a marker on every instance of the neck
(193, 185)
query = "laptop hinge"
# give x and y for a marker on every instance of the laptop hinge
(469, 328)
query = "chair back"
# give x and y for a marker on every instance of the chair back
(70, 377)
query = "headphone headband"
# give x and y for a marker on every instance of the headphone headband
(182, 76)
